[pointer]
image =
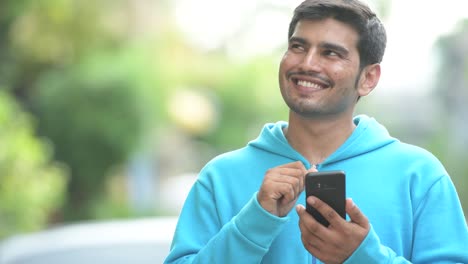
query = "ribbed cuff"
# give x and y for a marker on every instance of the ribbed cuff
(257, 224)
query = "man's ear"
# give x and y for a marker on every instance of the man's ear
(369, 79)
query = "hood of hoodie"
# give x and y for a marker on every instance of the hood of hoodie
(368, 135)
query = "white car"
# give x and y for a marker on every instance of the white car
(108, 242)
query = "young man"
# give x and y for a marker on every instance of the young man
(246, 204)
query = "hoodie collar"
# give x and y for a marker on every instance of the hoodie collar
(367, 136)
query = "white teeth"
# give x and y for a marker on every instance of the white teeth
(308, 84)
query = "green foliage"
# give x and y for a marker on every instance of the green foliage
(91, 112)
(70, 64)
(250, 97)
(31, 185)
(450, 89)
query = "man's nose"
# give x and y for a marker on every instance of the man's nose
(311, 61)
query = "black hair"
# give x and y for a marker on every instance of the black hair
(372, 36)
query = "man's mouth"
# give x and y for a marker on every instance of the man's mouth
(310, 84)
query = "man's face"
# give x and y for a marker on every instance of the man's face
(319, 71)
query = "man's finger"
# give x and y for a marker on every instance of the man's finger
(355, 214)
(313, 168)
(295, 164)
(295, 172)
(308, 223)
(326, 211)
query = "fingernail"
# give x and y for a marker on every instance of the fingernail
(298, 209)
(311, 200)
(312, 168)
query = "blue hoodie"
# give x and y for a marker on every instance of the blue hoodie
(407, 195)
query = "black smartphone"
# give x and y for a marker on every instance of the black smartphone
(330, 187)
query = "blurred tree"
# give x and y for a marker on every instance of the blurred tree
(32, 186)
(250, 97)
(41, 35)
(92, 115)
(382, 7)
(71, 65)
(9, 12)
(451, 88)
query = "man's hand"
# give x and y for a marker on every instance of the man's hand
(281, 186)
(335, 243)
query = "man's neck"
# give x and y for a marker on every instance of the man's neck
(316, 139)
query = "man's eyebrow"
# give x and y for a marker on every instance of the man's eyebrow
(340, 49)
(325, 45)
(298, 39)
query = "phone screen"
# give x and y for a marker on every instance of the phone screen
(328, 186)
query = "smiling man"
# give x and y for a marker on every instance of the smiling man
(247, 205)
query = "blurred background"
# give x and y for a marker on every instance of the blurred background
(109, 108)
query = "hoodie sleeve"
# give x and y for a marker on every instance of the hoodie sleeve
(200, 237)
(440, 232)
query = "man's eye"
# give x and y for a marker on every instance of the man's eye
(296, 47)
(332, 53)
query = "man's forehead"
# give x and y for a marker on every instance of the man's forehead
(330, 30)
